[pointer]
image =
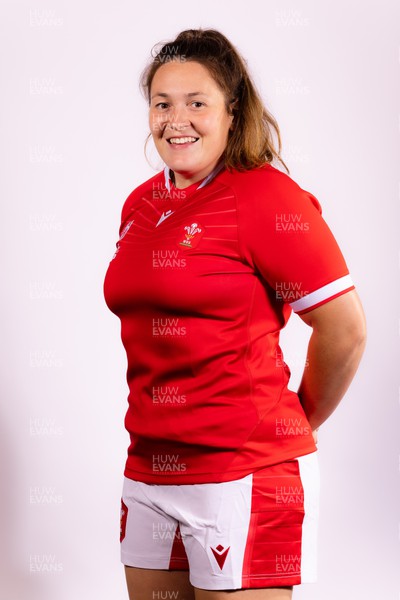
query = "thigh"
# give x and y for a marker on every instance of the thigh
(155, 584)
(281, 593)
(150, 538)
(254, 533)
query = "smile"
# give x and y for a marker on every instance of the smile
(182, 140)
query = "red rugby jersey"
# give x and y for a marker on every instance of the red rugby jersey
(203, 280)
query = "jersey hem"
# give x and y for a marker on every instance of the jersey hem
(219, 477)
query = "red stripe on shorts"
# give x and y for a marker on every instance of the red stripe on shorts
(178, 560)
(273, 547)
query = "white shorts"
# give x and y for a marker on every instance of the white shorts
(256, 531)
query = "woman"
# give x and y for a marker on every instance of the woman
(220, 489)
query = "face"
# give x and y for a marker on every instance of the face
(189, 120)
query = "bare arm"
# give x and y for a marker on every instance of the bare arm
(334, 353)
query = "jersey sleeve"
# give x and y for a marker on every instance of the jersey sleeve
(289, 243)
(126, 212)
(134, 198)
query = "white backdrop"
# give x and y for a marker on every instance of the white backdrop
(72, 134)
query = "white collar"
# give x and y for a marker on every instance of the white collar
(209, 177)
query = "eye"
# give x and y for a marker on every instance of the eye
(197, 104)
(161, 105)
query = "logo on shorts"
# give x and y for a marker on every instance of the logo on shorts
(220, 555)
(124, 514)
(190, 235)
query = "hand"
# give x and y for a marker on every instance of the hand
(315, 435)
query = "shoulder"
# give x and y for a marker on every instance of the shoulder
(268, 188)
(141, 190)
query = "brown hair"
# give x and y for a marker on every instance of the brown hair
(251, 142)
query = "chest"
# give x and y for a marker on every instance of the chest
(181, 256)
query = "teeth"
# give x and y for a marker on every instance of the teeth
(183, 140)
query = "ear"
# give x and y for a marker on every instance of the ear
(232, 106)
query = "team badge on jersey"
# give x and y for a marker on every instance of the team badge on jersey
(190, 235)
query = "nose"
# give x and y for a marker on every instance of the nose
(177, 119)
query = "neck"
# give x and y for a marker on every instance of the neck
(183, 180)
